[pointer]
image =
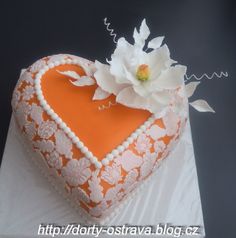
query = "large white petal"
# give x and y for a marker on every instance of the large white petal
(131, 99)
(142, 89)
(163, 97)
(100, 94)
(117, 70)
(124, 62)
(139, 57)
(105, 80)
(154, 106)
(121, 58)
(124, 50)
(190, 88)
(201, 106)
(158, 60)
(132, 79)
(170, 78)
(155, 42)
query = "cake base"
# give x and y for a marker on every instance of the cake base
(27, 200)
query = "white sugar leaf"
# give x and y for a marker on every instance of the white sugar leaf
(201, 106)
(136, 35)
(190, 88)
(100, 94)
(155, 42)
(144, 30)
(80, 80)
(83, 81)
(69, 73)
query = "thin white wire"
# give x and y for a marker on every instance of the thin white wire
(110, 30)
(214, 74)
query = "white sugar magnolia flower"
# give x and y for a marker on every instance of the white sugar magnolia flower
(139, 79)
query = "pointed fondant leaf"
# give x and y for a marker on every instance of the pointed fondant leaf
(83, 81)
(80, 80)
(155, 42)
(190, 88)
(100, 94)
(201, 106)
(69, 73)
(144, 30)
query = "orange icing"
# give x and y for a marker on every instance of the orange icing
(100, 130)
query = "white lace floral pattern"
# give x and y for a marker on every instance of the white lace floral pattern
(170, 121)
(36, 113)
(28, 77)
(47, 129)
(28, 92)
(54, 160)
(131, 180)
(77, 172)
(129, 160)
(148, 164)
(142, 144)
(30, 130)
(37, 66)
(114, 194)
(159, 146)
(156, 132)
(96, 194)
(16, 98)
(63, 144)
(22, 112)
(112, 174)
(44, 145)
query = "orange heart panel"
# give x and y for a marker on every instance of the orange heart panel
(96, 153)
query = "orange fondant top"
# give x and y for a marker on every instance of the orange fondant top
(100, 130)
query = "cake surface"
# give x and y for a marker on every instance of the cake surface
(99, 152)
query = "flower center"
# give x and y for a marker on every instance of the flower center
(143, 72)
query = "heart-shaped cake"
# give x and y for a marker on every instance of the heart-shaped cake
(97, 152)
(98, 131)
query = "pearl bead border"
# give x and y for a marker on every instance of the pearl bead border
(75, 139)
